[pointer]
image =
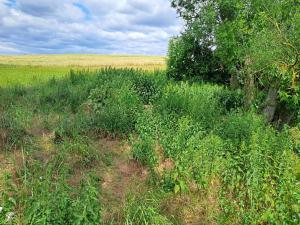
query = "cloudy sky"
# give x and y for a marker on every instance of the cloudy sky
(87, 26)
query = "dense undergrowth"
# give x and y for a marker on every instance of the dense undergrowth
(202, 151)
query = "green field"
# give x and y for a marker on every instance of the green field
(28, 69)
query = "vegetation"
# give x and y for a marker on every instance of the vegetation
(29, 69)
(255, 42)
(214, 139)
(123, 146)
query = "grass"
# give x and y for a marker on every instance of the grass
(29, 69)
(125, 146)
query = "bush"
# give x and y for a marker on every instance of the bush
(238, 127)
(68, 93)
(115, 106)
(197, 101)
(174, 139)
(148, 87)
(260, 180)
(144, 152)
(83, 154)
(230, 99)
(71, 127)
(188, 59)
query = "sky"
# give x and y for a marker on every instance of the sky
(87, 26)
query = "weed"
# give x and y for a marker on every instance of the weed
(144, 210)
(115, 107)
(13, 133)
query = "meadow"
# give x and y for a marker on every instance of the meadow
(130, 146)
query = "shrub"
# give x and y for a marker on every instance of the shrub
(239, 126)
(230, 99)
(174, 139)
(197, 101)
(84, 155)
(147, 87)
(197, 157)
(204, 158)
(67, 93)
(260, 180)
(188, 59)
(18, 91)
(144, 152)
(148, 125)
(115, 107)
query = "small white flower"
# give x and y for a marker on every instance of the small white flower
(1, 209)
(9, 216)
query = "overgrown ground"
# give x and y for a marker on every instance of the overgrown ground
(120, 146)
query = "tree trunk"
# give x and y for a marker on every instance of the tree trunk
(249, 87)
(271, 104)
(249, 91)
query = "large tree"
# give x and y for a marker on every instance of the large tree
(257, 42)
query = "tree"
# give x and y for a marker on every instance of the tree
(257, 42)
(192, 55)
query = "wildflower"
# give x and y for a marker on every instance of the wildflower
(1, 209)
(9, 216)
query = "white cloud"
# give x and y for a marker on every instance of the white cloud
(5, 48)
(88, 26)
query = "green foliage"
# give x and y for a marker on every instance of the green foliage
(144, 210)
(87, 208)
(250, 161)
(81, 149)
(255, 41)
(54, 203)
(144, 152)
(64, 94)
(230, 99)
(71, 127)
(115, 106)
(199, 102)
(188, 59)
(148, 87)
(13, 133)
(258, 177)
(192, 137)
(7, 202)
(239, 127)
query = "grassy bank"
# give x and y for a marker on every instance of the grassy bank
(120, 146)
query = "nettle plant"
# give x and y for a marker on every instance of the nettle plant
(115, 106)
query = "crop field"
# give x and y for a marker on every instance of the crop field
(126, 146)
(26, 69)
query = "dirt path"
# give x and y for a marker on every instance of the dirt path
(119, 174)
(124, 175)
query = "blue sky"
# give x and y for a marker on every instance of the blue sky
(87, 26)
